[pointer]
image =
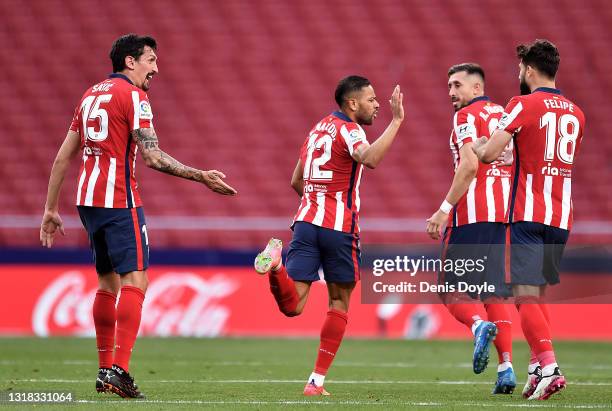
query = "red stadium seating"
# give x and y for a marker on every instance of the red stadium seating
(241, 83)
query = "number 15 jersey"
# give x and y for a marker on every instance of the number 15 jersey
(107, 114)
(331, 176)
(547, 129)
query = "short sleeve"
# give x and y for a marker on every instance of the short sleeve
(353, 136)
(465, 128)
(74, 124)
(140, 114)
(514, 116)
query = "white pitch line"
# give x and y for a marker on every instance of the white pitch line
(271, 381)
(357, 364)
(384, 403)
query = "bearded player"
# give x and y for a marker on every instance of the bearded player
(326, 226)
(113, 121)
(474, 210)
(547, 130)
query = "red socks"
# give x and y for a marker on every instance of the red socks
(283, 290)
(129, 312)
(498, 314)
(536, 329)
(465, 313)
(331, 337)
(105, 316)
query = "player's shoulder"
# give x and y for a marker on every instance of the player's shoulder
(466, 114)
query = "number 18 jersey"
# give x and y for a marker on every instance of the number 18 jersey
(331, 176)
(104, 119)
(547, 129)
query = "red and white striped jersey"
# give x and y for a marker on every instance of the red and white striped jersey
(486, 199)
(547, 131)
(331, 176)
(105, 117)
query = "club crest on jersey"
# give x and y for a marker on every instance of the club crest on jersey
(355, 136)
(145, 111)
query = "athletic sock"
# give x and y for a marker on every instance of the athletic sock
(331, 337)
(129, 312)
(499, 315)
(536, 329)
(318, 379)
(504, 366)
(468, 314)
(283, 290)
(105, 317)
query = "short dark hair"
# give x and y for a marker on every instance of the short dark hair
(469, 68)
(129, 45)
(542, 55)
(349, 85)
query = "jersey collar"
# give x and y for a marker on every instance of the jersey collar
(480, 98)
(342, 116)
(121, 76)
(548, 90)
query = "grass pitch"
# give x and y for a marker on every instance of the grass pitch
(270, 374)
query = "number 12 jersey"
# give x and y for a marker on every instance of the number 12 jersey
(331, 176)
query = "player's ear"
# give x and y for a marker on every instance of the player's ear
(129, 62)
(352, 104)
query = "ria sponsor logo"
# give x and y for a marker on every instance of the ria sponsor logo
(496, 172)
(549, 170)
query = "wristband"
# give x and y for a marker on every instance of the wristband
(446, 207)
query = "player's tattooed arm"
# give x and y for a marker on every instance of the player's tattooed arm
(156, 158)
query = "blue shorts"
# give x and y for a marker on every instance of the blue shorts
(536, 250)
(483, 244)
(313, 247)
(117, 237)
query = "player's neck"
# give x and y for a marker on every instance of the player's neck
(128, 74)
(543, 83)
(350, 115)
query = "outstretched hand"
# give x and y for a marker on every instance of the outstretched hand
(396, 102)
(213, 179)
(51, 222)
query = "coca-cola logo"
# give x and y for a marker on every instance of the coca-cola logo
(176, 303)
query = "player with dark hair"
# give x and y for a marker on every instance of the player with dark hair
(547, 130)
(474, 210)
(112, 121)
(326, 226)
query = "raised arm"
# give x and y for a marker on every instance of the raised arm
(371, 155)
(155, 158)
(51, 221)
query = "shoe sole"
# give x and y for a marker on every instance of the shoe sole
(480, 362)
(119, 392)
(553, 388)
(529, 392)
(504, 389)
(263, 261)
